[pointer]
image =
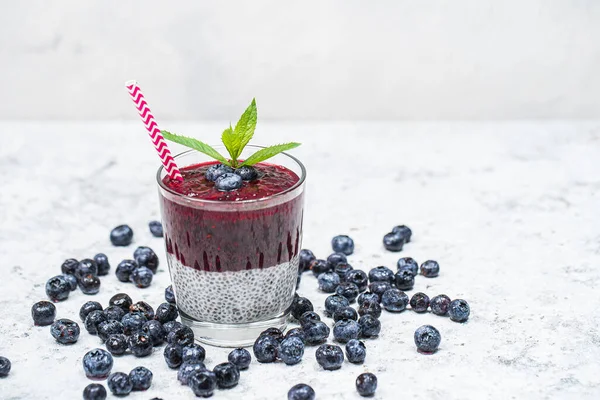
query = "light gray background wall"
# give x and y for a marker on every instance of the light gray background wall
(347, 59)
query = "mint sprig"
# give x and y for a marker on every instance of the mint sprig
(235, 140)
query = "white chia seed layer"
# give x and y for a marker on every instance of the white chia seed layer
(234, 297)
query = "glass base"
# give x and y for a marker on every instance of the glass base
(232, 335)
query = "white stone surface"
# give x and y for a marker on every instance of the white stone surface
(509, 210)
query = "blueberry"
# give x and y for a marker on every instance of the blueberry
(72, 281)
(187, 369)
(156, 331)
(319, 266)
(291, 350)
(216, 170)
(94, 391)
(203, 383)
(170, 294)
(228, 182)
(247, 173)
(370, 296)
(97, 364)
(316, 333)
(459, 310)
(140, 344)
(133, 322)
(114, 313)
(342, 269)
(328, 281)
(58, 288)
(69, 266)
(343, 244)
(121, 300)
(330, 356)
(301, 391)
(358, 277)
(156, 228)
(405, 279)
(89, 284)
(309, 317)
(381, 274)
(173, 355)
(403, 231)
(430, 269)
(107, 328)
(172, 326)
(183, 336)
(394, 300)
(427, 339)
(296, 332)
(143, 308)
(240, 358)
(193, 353)
(370, 308)
(346, 329)
(119, 384)
(43, 313)
(439, 304)
(306, 258)
(141, 378)
(419, 302)
(366, 384)
(301, 305)
(369, 326)
(5, 366)
(334, 302)
(275, 333)
(117, 344)
(336, 258)
(166, 312)
(65, 331)
(122, 235)
(265, 349)
(88, 307)
(393, 242)
(102, 262)
(349, 290)
(298, 279)
(93, 320)
(379, 288)
(228, 375)
(146, 257)
(356, 351)
(408, 262)
(141, 277)
(124, 270)
(345, 313)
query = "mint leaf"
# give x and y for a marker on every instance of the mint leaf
(244, 129)
(196, 145)
(268, 152)
(231, 143)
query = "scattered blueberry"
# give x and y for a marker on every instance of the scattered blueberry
(124, 270)
(166, 312)
(228, 182)
(143, 308)
(300, 305)
(240, 358)
(94, 391)
(133, 322)
(141, 378)
(369, 326)
(102, 262)
(393, 242)
(328, 281)
(298, 279)
(170, 294)
(140, 344)
(427, 339)
(342, 269)
(87, 266)
(203, 383)
(309, 317)
(356, 351)
(405, 279)
(306, 258)
(345, 313)
(345, 330)
(301, 391)
(117, 344)
(58, 288)
(379, 288)
(403, 231)
(69, 266)
(394, 300)
(193, 353)
(336, 258)
(358, 277)
(122, 235)
(316, 333)
(247, 173)
(296, 332)
(156, 228)
(439, 304)
(97, 364)
(408, 262)
(107, 328)
(381, 274)
(172, 326)
(93, 320)
(183, 336)
(459, 310)
(319, 267)
(366, 384)
(121, 300)
(88, 307)
(419, 302)
(430, 269)
(330, 356)
(114, 313)
(141, 277)
(368, 296)
(214, 171)
(89, 284)
(274, 333)
(65, 331)
(265, 349)
(349, 290)
(228, 375)
(72, 281)
(5, 366)
(156, 331)
(119, 384)
(334, 302)
(146, 257)
(343, 244)
(173, 355)
(187, 369)
(291, 350)
(43, 313)
(370, 308)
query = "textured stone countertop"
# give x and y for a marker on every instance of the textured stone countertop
(510, 210)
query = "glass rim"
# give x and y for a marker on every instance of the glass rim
(249, 201)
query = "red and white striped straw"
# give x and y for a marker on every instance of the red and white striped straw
(152, 127)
